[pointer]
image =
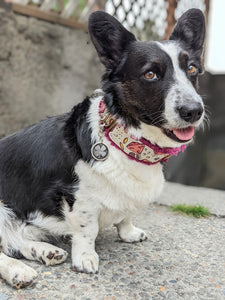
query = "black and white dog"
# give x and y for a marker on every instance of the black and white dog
(92, 167)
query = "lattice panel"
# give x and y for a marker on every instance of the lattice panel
(146, 18)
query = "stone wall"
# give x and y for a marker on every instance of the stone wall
(45, 69)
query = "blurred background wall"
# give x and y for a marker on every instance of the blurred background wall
(46, 68)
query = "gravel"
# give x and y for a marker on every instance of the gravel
(183, 258)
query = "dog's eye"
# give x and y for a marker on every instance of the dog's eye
(151, 76)
(192, 70)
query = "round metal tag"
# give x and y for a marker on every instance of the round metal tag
(99, 151)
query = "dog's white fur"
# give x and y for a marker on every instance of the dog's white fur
(182, 86)
(109, 192)
(15, 272)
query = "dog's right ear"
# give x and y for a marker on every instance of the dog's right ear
(190, 30)
(109, 37)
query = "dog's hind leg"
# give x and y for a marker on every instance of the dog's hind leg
(129, 233)
(17, 239)
(43, 252)
(34, 248)
(15, 272)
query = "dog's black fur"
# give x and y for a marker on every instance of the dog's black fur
(128, 94)
(49, 181)
(36, 164)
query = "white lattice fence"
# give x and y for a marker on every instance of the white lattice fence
(148, 19)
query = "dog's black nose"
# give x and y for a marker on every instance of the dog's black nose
(191, 113)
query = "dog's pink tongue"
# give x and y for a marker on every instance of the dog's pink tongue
(185, 133)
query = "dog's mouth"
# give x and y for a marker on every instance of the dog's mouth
(181, 135)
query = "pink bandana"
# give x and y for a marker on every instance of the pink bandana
(140, 150)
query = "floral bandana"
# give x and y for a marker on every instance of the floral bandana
(139, 150)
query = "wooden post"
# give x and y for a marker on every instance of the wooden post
(101, 4)
(49, 16)
(207, 7)
(170, 19)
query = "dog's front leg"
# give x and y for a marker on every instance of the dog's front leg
(129, 233)
(85, 230)
(84, 257)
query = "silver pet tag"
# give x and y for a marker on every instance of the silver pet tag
(99, 151)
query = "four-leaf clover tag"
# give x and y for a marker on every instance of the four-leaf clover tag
(99, 151)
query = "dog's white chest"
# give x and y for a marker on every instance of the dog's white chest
(117, 188)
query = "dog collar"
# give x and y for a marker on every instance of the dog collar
(140, 150)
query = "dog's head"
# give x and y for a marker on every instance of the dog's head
(151, 86)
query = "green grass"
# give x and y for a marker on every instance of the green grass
(196, 211)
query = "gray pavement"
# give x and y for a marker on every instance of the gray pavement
(175, 193)
(183, 258)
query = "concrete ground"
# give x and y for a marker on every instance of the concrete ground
(183, 258)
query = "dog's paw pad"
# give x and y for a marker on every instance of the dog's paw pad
(86, 263)
(133, 236)
(23, 278)
(53, 257)
(143, 237)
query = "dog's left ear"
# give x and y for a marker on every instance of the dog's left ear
(190, 30)
(109, 37)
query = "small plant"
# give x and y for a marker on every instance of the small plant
(193, 210)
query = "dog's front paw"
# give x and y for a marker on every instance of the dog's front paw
(55, 257)
(86, 262)
(48, 254)
(133, 235)
(21, 276)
